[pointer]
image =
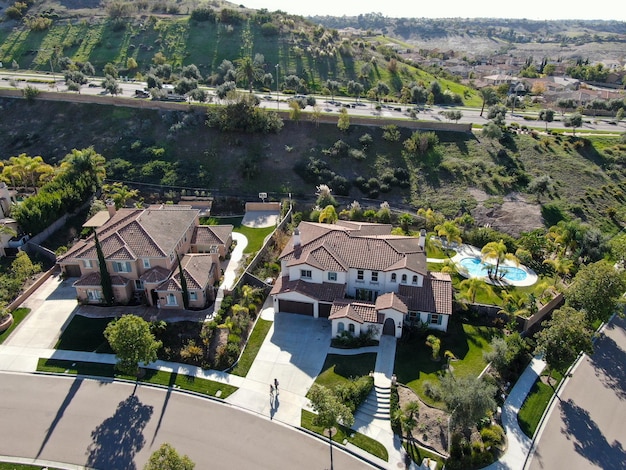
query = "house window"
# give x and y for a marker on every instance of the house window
(305, 274)
(332, 276)
(393, 277)
(138, 284)
(374, 276)
(404, 279)
(434, 319)
(121, 266)
(170, 299)
(87, 263)
(340, 327)
(94, 295)
(193, 295)
(146, 263)
(360, 275)
(414, 279)
(366, 294)
(351, 328)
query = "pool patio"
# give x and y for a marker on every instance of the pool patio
(469, 251)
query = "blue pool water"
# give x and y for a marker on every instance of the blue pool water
(476, 268)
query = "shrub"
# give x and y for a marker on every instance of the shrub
(353, 393)
(226, 355)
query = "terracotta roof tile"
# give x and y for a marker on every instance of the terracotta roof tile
(211, 234)
(435, 296)
(154, 275)
(362, 312)
(93, 280)
(325, 292)
(391, 300)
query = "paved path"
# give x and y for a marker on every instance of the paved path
(518, 444)
(585, 426)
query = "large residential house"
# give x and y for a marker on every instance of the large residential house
(362, 278)
(142, 249)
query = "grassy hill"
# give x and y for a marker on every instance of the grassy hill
(464, 171)
(185, 33)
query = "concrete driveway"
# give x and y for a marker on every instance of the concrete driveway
(293, 352)
(585, 428)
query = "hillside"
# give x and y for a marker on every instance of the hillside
(462, 172)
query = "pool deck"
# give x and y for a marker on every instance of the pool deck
(469, 251)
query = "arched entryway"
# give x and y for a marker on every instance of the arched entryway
(389, 327)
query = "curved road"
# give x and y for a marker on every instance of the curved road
(586, 428)
(113, 425)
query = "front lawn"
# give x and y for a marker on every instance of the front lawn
(343, 433)
(18, 315)
(85, 334)
(339, 369)
(535, 405)
(252, 347)
(414, 364)
(255, 236)
(152, 376)
(418, 454)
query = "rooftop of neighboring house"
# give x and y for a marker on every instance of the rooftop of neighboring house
(353, 245)
(138, 233)
(197, 268)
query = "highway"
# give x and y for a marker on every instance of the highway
(116, 426)
(55, 83)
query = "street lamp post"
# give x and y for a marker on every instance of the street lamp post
(277, 98)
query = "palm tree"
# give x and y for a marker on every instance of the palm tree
(499, 252)
(451, 231)
(248, 71)
(489, 96)
(562, 267)
(473, 286)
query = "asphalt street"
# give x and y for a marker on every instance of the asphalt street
(111, 425)
(586, 428)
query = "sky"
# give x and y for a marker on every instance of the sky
(530, 9)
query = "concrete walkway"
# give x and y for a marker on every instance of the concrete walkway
(231, 269)
(518, 444)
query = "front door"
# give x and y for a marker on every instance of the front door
(389, 327)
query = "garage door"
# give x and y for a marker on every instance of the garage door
(301, 308)
(324, 310)
(72, 270)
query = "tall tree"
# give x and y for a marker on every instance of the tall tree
(473, 286)
(133, 342)
(597, 290)
(343, 122)
(105, 277)
(166, 458)
(248, 71)
(563, 338)
(574, 121)
(489, 96)
(450, 231)
(183, 283)
(468, 399)
(497, 251)
(330, 412)
(546, 115)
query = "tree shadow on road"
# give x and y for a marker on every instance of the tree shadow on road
(588, 439)
(118, 438)
(609, 364)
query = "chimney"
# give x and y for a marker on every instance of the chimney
(110, 207)
(422, 239)
(296, 239)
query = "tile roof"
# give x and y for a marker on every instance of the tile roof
(354, 248)
(325, 292)
(391, 300)
(435, 296)
(155, 275)
(93, 280)
(198, 269)
(361, 312)
(151, 232)
(211, 234)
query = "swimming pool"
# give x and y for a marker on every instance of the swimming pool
(476, 268)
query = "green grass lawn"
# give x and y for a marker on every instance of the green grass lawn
(252, 347)
(338, 369)
(21, 466)
(366, 443)
(18, 315)
(169, 379)
(85, 334)
(255, 236)
(414, 366)
(535, 404)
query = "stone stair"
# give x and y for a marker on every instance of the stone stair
(375, 407)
